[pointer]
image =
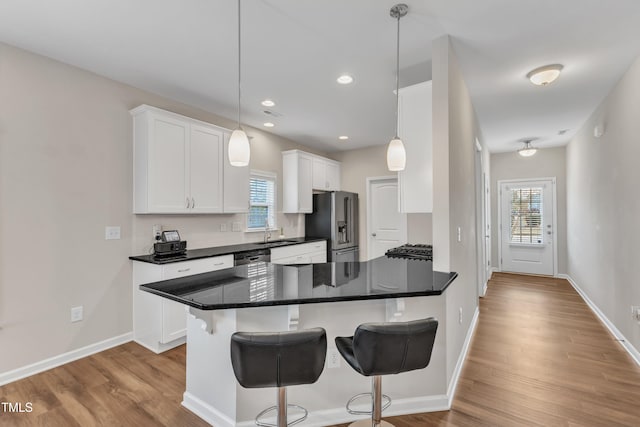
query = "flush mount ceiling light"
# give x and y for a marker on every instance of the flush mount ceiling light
(345, 79)
(343, 137)
(268, 125)
(542, 76)
(527, 150)
(396, 154)
(239, 150)
(268, 103)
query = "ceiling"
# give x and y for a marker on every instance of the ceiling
(293, 50)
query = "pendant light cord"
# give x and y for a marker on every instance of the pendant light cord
(239, 62)
(398, 79)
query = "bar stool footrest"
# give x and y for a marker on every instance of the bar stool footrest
(274, 408)
(358, 396)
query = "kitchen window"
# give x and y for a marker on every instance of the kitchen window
(262, 201)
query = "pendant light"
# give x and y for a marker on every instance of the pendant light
(396, 155)
(527, 150)
(239, 150)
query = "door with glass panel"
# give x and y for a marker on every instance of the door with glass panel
(527, 229)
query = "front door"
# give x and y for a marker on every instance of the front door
(387, 226)
(527, 226)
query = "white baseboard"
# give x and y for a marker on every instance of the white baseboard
(321, 418)
(463, 356)
(206, 411)
(633, 352)
(61, 359)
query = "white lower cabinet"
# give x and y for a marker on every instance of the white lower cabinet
(158, 323)
(305, 253)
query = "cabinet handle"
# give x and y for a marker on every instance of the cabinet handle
(184, 270)
(218, 263)
(188, 202)
(193, 203)
(383, 286)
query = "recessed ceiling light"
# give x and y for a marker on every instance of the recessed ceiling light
(542, 76)
(345, 79)
(268, 125)
(343, 137)
(268, 103)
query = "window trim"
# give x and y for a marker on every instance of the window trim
(259, 174)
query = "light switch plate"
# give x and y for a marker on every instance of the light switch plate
(112, 232)
(76, 314)
(236, 226)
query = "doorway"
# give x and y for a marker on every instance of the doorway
(527, 217)
(386, 226)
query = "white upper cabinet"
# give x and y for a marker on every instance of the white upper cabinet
(326, 174)
(415, 182)
(302, 173)
(179, 166)
(205, 158)
(236, 184)
(297, 182)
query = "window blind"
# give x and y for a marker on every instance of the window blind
(262, 202)
(526, 215)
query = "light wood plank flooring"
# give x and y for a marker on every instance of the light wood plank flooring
(539, 358)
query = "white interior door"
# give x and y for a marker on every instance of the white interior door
(527, 234)
(387, 226)
(486, 226)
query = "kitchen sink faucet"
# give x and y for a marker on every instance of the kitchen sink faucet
(267, 232)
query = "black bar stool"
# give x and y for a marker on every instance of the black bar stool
(378, 349)
(278, 359)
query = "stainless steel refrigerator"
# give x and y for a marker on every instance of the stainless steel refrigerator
(335, 218)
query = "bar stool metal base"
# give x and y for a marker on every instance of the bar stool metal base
(281, 410)
(368, 423)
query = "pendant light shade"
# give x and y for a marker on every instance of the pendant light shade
(239, 149)
(396, 154)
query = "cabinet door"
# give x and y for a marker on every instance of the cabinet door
(174, 316)
(319, 174)
(205, 158)
(305, 190)
(167, 165)
(174, 321)
(333, 176)
(236, 184)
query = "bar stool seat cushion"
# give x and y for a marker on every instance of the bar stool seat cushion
(278, 359)
(389, 348)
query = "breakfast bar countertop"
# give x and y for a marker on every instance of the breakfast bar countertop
(266, 284)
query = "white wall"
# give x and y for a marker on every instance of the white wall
(603, 206)
(546, 163)
(455, 131)
(65, 174)
(357, 166)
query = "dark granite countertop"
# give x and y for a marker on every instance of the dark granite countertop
(224, 250)
(266, 284)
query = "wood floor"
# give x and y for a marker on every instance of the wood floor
(539, 358)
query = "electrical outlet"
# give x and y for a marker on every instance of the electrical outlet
(112, 232)
(460, 315)
(236, 226)
(157, 232)
(333, 358)
(223, 227)
(76, 314)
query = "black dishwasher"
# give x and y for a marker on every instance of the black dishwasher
(259, 255)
